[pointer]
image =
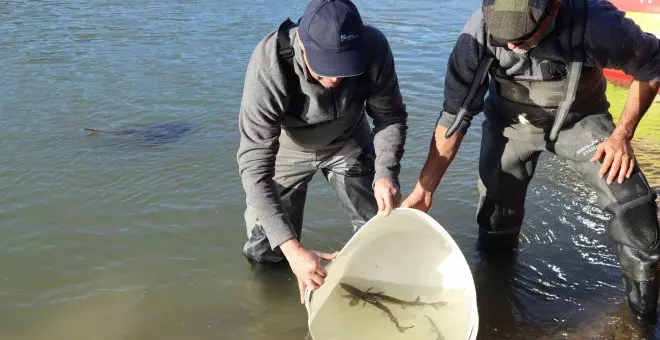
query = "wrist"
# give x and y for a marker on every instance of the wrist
(290, 246)
(420, 190)
(386, 180)
(621, 134)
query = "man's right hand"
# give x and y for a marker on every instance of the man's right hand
(419, 199)
(306, 265)
(441, 154)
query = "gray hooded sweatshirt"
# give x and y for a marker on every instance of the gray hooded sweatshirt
(314, 119)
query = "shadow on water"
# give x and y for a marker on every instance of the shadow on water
(145, 135)
(496, 301)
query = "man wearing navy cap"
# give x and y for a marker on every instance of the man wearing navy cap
(308, 92)
(546, 92)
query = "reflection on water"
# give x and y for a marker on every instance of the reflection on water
(611, 325)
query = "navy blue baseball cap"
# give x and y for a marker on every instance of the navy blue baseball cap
(331, 32)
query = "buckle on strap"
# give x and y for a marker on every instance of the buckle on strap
(286, 52)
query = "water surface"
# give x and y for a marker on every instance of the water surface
(107, 241)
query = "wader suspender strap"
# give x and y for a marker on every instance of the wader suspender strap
(286, 53)
(479, 76)
(284, 49)
(579, 21)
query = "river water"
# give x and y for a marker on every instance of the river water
(104, 238)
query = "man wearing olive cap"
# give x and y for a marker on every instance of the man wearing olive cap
(541, 62)
(308, 92)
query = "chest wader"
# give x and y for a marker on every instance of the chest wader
(539, 113)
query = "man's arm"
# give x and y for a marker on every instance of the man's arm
(616, 42)
(619, 157)
(259, 122)
(385, 105)
(640, 97)
(462, 67)
(441, 154)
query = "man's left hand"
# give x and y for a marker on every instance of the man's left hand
(388, 196)
(619, 158)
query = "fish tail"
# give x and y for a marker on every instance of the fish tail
(396, 323)
(435, 328)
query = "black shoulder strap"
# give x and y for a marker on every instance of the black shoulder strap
(577, 54)
(284, 49)
(479, 76)
(286, 53)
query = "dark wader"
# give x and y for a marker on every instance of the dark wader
(506, 165)
(348, 166)
(526, 118)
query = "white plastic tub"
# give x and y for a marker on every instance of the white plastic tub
(406, 255)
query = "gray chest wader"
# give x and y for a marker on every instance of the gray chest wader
(545, 106)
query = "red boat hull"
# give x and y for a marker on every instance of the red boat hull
(641, 6)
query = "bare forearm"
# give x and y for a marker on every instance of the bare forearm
(640, 97)
(441, 154)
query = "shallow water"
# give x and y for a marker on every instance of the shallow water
(107, 241)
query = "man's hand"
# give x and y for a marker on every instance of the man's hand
(441, 154)
(619, 158)
(306, 265)
(388, 196)
(419, 199)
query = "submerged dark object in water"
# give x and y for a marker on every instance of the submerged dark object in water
(148, 134)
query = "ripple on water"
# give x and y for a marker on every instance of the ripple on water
(101, 230)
